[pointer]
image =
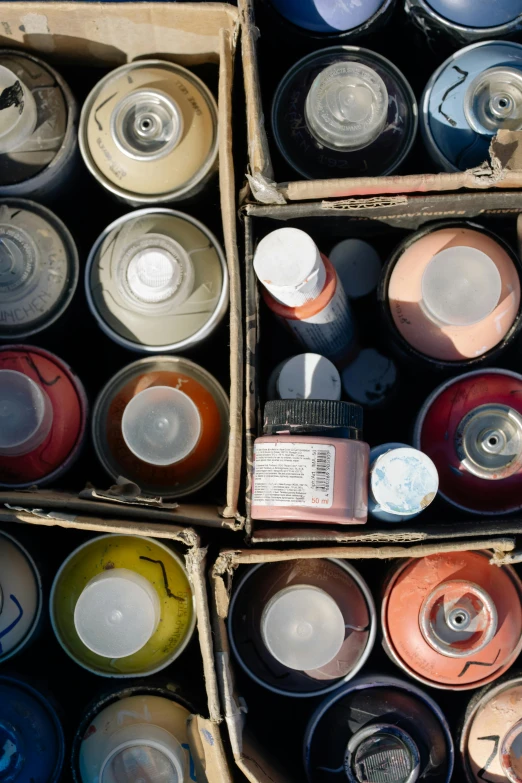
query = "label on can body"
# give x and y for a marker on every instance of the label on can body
(329, 332)
(293, 474)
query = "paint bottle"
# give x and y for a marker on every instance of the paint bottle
(303, 289)
(307, 376)
(311, 464)
(370, 379)
(450, 295)
(162, 422)
(157, 281)
(43, 416)
(490, 735)
(324, 19)
(466, 20)
(139, 733)
(38, 128)
(32, 744)
(122, 606)
(453, 620)
(148, 132)
(344, 111)
(403, 482)
(39, 268)
(300, 628)
(21, 599)
(378, 728)
(358, 266)
(471, 427)
(470, 97)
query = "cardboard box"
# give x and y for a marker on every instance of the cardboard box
(503, 170)
(254, 761)
(329, 222)
(109, 35)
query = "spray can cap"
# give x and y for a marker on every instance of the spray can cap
(19, 114)
(308, 376)
(26, 414)
(403, 481)
(143, 752)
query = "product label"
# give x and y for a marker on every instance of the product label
(329, 332)
(293, 474)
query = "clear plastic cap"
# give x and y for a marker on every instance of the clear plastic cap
(161, 425)
(460, 286)
(289, 264)
(347, 106)
(308, 376)
(357, 265)
(143, 753)
(117, 613)
(26, 414)
(403, 481)
(303, 627)
(156, 269)
(19, 114)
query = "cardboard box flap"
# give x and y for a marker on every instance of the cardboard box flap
(255, 763)
(207, 751)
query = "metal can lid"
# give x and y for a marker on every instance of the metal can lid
(470, 13)
(403, 481)
(378, 747)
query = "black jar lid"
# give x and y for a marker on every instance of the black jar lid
(314, 417)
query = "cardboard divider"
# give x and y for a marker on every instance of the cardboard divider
(503, 170)
(254, 761)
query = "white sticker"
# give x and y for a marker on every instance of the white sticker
(293, 474)
(329, 332)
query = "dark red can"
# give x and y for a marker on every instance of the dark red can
(43, 416)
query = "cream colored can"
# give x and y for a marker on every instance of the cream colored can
(148, 132)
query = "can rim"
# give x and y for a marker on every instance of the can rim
(352, 33)
(500, 30)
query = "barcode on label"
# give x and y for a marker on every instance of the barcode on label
(322, 471)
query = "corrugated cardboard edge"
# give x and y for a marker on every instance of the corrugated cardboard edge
(253, 761)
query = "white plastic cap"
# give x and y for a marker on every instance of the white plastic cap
(460, 286)
(289, 264)
(26, 414)
(157, 269)
(403, 481)
(161, 425)
(347, 106)
(117, 613)
(308, 376)
(143, 753)
(302, 627)
(357, 265)
(18, 117)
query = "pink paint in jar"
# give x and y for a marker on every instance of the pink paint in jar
(311, 464)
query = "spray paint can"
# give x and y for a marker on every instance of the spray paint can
(344, 111)
(471, 426)
(32, 744)
(157, 281)
(466, 21)
(122, 606)
(302, 627)
(453, 620)
(38, 128)
(43, 416)
(307, 376)
(162, 423)
(370, 379)
(324, 20)
(39, 268)
(470, 97)
(490, 734)
(450, 295)
(375, 729)
(136, 733)
(148, 132)
(21, 599)
(403, 482)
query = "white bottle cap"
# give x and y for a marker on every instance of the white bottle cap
(403, 481)
(117, 613)
(143, 753)
(161, 425)
(460, 286)
(155, 269)
(369, 378)
(303, 627)
(26, 414)
(308, 376)
(347, 106)
(289, 264)
(18, 118)
(358, 266)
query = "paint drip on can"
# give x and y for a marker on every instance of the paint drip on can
(453, 620)
(471, 427)
(21, 598)
(302, 627)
